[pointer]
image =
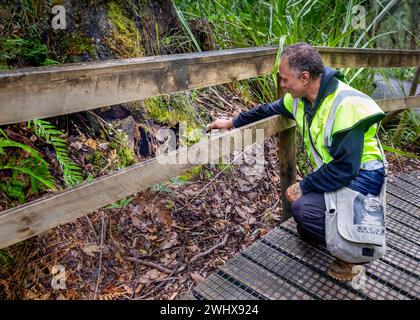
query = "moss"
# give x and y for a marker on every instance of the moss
(125, 155)
(190, 174)
(244, 90)
(5, 257)
(208, 174)
(158, 110)
(175, 109)
(227, 169)
(75, 44)
(170, 205)
(96, 159)
(124, 39)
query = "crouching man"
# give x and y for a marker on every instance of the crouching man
(342, 203)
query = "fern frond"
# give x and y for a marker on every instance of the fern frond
(32, 152)
(45, 180)
(71, 171)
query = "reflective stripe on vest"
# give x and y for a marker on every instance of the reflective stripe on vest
(335, 104)
(370, 165)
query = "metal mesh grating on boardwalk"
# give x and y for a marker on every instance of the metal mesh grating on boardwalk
(281, 266)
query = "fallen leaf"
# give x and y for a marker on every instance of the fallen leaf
(113, 155)
(155, 274)
(136, 222)
(189, 192)
(172, 297)
(169, 241)
(162, 215)
(192, 248)
(151, 237)
(104, 146)
(90, 248)
(242, 213)
(91, 143)
(197, 278)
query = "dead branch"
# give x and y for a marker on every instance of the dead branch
(156, 266)
(220, 244)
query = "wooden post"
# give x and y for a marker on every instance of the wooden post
(287, 161)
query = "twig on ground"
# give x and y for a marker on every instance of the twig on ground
(100, 258)
(156, 266)
(93, 228)
(162, 282)
(220, 244)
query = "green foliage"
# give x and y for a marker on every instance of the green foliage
(401, 153)
(161, 187)
(239, 24)
(74, 44)
(23, 169)
(71, 172)
(404, 132)
(30, 50)
(5, 258)
(227, 168)
(125, 39)
(120, 204)
(190, 174)
(20, 38)
(125, 153)
(186, 27)
(2, 67)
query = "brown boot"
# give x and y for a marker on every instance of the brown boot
(341, 270)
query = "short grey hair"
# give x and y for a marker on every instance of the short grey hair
(303, 57)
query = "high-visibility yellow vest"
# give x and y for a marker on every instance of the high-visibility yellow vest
(341, 110)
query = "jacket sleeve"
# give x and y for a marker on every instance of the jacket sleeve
(261, 112)
(346, 150)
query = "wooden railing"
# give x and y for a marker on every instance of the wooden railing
(34, 93)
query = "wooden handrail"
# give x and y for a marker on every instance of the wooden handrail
(399, 103)
(33, 93)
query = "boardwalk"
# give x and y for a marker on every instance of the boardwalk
(281, 266)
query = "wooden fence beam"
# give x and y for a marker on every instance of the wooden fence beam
(399, 103)
(34, 93)
(370, 58)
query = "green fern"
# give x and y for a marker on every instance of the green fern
(5, 258)
(71, 172)
(33, 166)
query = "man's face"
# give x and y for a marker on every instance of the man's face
(290, 81)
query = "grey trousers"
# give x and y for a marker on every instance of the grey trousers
(309, 214)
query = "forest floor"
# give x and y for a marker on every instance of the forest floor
(165, 241)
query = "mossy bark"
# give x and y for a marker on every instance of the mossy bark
(95, 30)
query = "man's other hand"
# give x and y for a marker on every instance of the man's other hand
(293, 192)
(220, 124)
